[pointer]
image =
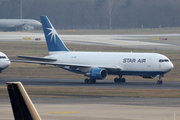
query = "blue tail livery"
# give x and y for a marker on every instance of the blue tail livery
(53, 40)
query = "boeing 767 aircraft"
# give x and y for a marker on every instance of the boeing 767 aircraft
(98, 65)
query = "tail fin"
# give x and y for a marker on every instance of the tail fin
(22, 106)
(53, 41)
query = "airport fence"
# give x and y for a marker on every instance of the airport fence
(90, 27)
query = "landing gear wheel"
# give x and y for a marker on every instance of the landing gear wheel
(119, 80)
(86, 81)
(93, 81)
(123, 80)
(89, 81)
(115, 80)
(159, 82)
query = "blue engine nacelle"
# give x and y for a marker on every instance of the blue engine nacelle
(97, 73)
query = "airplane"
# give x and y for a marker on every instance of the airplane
(19, 24)
(22, 106)
(4, 61)
(98, 65)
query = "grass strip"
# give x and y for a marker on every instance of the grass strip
(40, 49)
(59, 91)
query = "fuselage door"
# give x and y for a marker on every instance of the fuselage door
(149, 62)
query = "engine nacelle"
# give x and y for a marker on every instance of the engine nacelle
(97, 73)
(28, 28)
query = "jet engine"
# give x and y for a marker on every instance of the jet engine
(27, 28)
(97, 73)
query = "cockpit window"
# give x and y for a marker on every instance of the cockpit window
(163, 60)
(2, 57)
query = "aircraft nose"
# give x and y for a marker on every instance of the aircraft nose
(38, 24)
(7, 63)
(171, 66)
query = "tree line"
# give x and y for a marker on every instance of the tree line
(97, 14)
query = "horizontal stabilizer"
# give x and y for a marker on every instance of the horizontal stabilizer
(37, 58)
(22, 106)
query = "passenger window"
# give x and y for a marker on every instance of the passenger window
(2, 57)
(163, 60)
(160, 60)
(166, 60)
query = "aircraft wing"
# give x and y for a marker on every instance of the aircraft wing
(114, 68)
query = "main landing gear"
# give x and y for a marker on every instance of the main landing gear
(90, 81)
(119, 80)
(160, 80)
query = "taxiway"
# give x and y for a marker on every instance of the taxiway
(151, 41)
(100, 83)
(100, 108)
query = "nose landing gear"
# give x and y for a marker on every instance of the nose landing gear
(160, 80)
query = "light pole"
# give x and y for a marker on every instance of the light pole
(20, 9)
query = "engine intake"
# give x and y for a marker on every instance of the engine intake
(97, 73)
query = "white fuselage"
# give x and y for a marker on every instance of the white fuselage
(8, 23)
(128, 63)
(4, 61)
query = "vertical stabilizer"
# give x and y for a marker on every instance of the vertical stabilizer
(23, 108)
(54, 42)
